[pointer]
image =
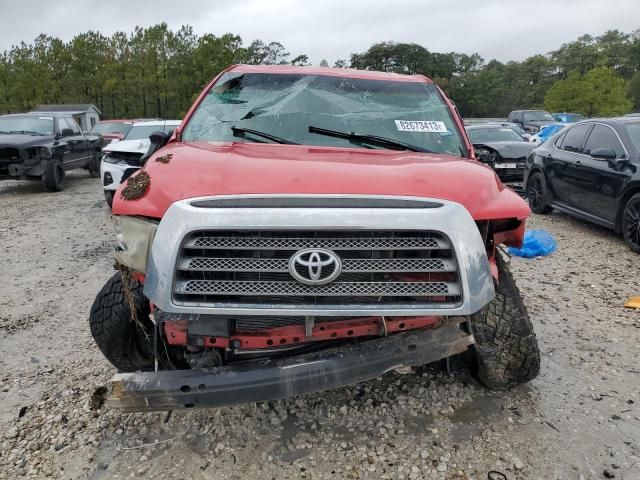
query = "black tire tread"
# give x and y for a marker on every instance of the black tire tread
(631, 246)
(50, 181)
(94, 165)
(506, 348)
(119, 338)
(108, 197)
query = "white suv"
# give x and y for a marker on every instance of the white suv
(121, 159)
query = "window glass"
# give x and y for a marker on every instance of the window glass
(26, 124)
(604, 137)
(488, 135)
(286, 105)
(73, 125)
(633, 130)
(62, 124)
(574, 138)
(538, 116)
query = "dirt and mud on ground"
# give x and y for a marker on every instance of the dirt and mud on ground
(579, 420)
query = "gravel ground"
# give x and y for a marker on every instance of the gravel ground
(580, 419)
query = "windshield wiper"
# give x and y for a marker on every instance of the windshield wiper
(240, 131)
(26, 132)
(371, 139)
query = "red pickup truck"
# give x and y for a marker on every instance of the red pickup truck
(303, 229)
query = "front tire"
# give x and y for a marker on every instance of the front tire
(631, 223)
(54, 175)
(126, 343)
(94, 165)
(108, 197)
(536, 193)
(506, 347)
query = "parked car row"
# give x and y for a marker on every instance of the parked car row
(122, 159)
(43, 146)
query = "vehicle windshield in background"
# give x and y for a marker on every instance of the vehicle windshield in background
(29, 125)
(488, 135)
(285, 106)
(143, 131)
(111, 127)
(633, 130)
(538, 117)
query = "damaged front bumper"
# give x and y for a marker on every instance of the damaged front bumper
(287, 377)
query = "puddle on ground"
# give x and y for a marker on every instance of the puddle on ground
(470, 419)
(105, 454)
(417, 425)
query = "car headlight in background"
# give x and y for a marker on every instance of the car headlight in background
(134, 236)
(484, 155)
(35, 154)
(115, 161)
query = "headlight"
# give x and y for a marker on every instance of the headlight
(35, 154)
(484, 155)
(109, 159)
(133, 241)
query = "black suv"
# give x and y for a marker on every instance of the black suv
(531, 120)
(44, 146)
(591, 170)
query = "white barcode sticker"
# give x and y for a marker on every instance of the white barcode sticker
(426, 126)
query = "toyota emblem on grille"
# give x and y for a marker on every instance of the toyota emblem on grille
(315, 266)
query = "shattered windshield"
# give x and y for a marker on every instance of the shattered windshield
(285, 105)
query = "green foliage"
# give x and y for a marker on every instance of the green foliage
(633, 91)
(158, 72)
(151, 72)
(493, 89)
(600, 92)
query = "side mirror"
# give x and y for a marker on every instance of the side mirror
(158, 140)
(66, 132)
(603, 154)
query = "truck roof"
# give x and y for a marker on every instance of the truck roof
(335, 72)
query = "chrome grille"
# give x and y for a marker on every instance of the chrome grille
(219, 268)
(335, 289)
(290, 243)
(350, 265)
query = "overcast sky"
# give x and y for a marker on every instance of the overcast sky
(332, 29)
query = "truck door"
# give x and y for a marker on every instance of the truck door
(78, 155)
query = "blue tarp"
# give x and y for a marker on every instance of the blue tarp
(537, 243)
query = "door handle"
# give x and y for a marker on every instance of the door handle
(578, 164)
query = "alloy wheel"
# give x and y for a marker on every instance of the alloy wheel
(535, 192)
(631, 223)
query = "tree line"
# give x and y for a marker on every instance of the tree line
(158, 72)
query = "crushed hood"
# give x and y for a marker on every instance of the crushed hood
(129, 146)
(509, 150)
(208, 169)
